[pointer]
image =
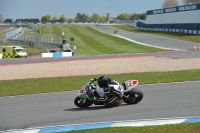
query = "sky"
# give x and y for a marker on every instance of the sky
(69, 8)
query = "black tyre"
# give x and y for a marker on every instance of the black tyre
(134, 96)
(82, 103)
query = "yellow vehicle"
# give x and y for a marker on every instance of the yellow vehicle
(13, 52)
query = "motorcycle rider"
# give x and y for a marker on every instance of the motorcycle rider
(105, 87)
(115, 31)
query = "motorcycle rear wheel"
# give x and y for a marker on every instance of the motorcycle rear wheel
(134, 96)
(79, 102)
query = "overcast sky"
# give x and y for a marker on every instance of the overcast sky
(69, 8)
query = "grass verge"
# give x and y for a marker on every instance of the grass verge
(179, 36)
(91, 42)
(176, 128)
(43, 85)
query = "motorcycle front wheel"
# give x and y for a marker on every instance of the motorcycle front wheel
(82, 103)
(134, 96)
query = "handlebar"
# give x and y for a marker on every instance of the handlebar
(92, 80)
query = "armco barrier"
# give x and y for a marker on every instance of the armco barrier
(170, 30)
(0, 56)
(58, 54)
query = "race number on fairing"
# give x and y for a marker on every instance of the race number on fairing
(131, 83)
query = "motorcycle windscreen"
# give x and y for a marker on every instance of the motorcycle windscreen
(83, 93)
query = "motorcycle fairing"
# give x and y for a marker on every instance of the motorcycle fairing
(83, 93)
(84, 96)
(116, 87)
(130, 84)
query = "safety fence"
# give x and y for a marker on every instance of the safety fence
(32, 39)
(35, 44)
(44, 38)
(13, 34)
(32, 26)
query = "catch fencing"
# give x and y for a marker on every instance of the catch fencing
(33, 39)
(38, 40)
(13, 34)
(35, 44)
(32, 26)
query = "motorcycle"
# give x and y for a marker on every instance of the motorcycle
(90, 94)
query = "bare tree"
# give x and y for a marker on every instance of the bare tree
(1, 18)
(169, 3)
(190, 1)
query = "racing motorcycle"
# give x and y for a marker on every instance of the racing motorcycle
(90, 94)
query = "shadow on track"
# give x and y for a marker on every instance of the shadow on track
(86, 109)
(94, 108)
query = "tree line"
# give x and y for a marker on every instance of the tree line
(169, 3)
(27, 20)
(80, 17)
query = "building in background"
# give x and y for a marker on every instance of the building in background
(186, 17)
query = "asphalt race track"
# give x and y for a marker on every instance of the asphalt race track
(50, 109)
(150, 39)
(174, 54)
(160, 101)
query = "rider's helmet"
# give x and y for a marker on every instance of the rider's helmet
(102, 81)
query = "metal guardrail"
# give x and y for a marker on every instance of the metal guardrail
(32, 26)
(34, 44)
(13, 34)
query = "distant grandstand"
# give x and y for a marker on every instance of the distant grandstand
(180, 18)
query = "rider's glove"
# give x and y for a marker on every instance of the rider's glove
(94, 79)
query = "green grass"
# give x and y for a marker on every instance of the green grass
(41, 85)
(179, 36)
(91, 42)
(1, 37)
(30, 31)
(176, 128)
(1, 34)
